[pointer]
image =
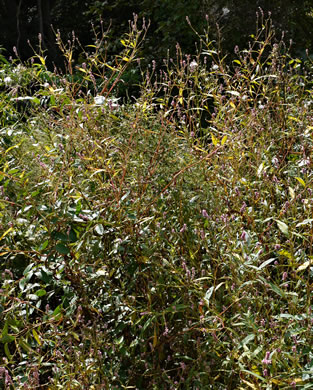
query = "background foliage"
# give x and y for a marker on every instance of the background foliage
(23, 20)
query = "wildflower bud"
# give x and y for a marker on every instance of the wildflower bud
(193, 66)
(267, 359)
(184, 228)
(243, 207)
(205, 214)
(244, 236)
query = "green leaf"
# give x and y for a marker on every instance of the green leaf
(41, 292)
(27, 348)
(57, 310)
(46, 278)
(72, 235)
(247, 339)
(5, 336)
(44, 245)
(7, 351)
(36, 100)
(61, 248)
(59, 236)
(254, 374)
(277, 290)
(35, 193)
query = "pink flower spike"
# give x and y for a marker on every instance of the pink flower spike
(205, 214)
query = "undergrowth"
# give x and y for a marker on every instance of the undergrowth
(163, 243)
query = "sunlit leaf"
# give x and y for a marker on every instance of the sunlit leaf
(291, 192)
(305, 265)
(282, 226)
(305, 222)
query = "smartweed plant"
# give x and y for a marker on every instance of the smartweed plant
(164, 243)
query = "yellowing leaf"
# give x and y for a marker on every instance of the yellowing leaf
(36, 336)
(111, 67)
(75, 335)
(214, 139)
(180, 98)
(251, 385)
(42, 60)
(155, 337)
(293, 118)
(82, 70)
(224, 139)
(301, 181)
(277, 382)
(11, 147)
(285, 253)
(5, 233)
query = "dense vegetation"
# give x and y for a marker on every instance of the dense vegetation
(164, 243)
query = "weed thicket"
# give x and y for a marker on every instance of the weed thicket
(164, 243)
